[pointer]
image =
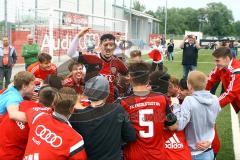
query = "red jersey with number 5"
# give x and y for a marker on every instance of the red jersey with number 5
(147, 114)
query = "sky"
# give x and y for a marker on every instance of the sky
(231, 4)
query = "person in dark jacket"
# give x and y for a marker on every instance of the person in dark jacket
(8, 58)
(190, 54)
(104, 127)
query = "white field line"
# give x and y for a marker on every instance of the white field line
(148, 60)
(235, 133)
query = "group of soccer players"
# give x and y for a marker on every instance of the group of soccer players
(108, 109)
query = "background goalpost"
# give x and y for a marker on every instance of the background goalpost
(55, 29)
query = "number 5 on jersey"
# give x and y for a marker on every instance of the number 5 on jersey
(144, 123)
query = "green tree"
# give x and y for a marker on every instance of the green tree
(150, 12)
(236, 28)
(219, 20)
(138, 6)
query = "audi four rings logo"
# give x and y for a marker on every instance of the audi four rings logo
(48, 136)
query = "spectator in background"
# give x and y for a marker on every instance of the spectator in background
(190, 54)
(231, 47)
(157, 56)
(30, 51)
(8, 58)
(118, 52)
(170, 50)
(43, 67)
(163, 41)
(90, 44)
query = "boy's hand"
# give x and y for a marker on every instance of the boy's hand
(203, 145)
(83, 31)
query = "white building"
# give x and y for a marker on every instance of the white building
(140, 25)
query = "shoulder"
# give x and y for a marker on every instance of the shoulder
(33, 67)
(25, 105)
(187, 100)
(68, 81)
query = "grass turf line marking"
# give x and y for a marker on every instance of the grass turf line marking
(236, 133)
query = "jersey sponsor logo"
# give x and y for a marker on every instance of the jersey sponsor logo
(34, 156)
(110, 78)
(173, 143)
(114, 70)
(41, 109)
(48, 136)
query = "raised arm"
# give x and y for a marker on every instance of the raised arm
(72, 51)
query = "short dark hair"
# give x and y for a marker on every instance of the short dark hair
(139, 73)
(159, 81)
(65, 100)
(222, 52)
(105, 37)
(43, 57)
(47, 95)
(54, 81)
(135, 53)
(183, 84)
(22, 78)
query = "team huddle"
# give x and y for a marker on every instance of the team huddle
(109, 109)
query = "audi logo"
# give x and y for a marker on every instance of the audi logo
(48, 136)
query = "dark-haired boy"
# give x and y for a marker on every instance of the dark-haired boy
(111, 66)
(227, 71)
(43, 67)
(149, 113)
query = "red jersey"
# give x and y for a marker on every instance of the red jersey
(176, 146)
(51, 137)
(230, 78)
(147, 114)
(14, 134)
(77, 86)
(110, 70)
(39, 73)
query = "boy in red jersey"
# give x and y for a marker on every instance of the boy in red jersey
(12, 146)
(43, 67)
(176, 146)
(76, 78)
(51, 136)
(227, 71)
(149, 113)
(111, 66)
